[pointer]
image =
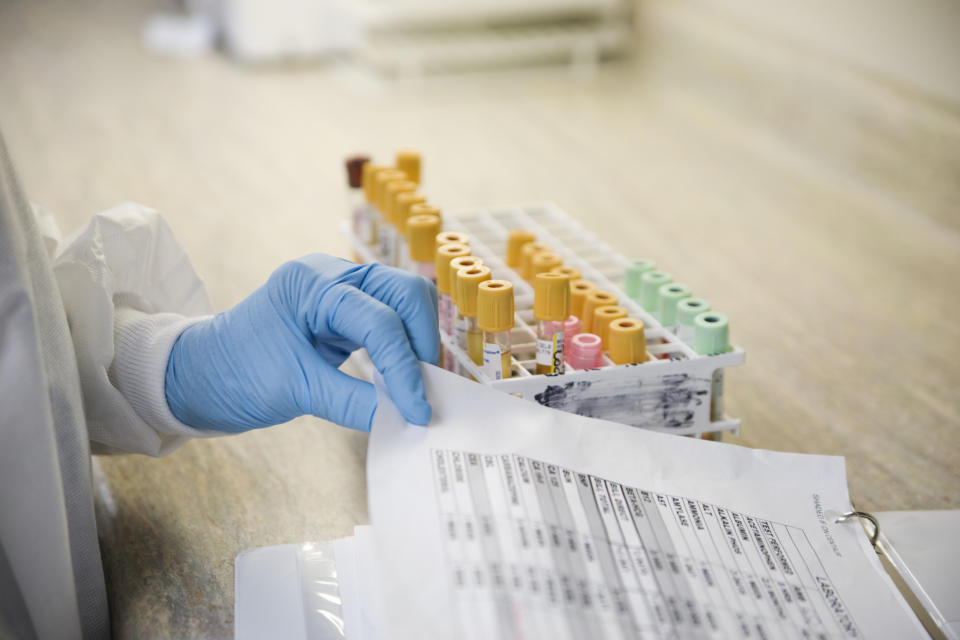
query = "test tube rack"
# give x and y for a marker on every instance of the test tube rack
(672, 392)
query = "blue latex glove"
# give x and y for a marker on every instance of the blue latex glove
(274, 356)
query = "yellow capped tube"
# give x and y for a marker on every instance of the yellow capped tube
(515, 242)
(404, 203)
(368, 228)
(527, 254)
(628, 345)
(579, 290)
(495, 320)
(602, 317)
(409, 161)
(445, 309)
(551, 308)
(543, 262)
(446, 237)
(590, 304)
(421, 231)
(571, 272)
(467, 284)
(386, 233)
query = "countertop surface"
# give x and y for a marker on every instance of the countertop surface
(816, 206)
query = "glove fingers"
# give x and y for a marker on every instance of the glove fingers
(372, 324)
(343, 399)
(414, 299)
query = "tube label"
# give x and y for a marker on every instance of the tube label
(493, 361)
(550, 354)
(387, 238)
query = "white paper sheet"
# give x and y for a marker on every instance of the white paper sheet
(504, 519)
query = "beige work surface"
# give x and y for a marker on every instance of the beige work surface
(817, 206)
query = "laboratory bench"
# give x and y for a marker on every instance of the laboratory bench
(813, 203)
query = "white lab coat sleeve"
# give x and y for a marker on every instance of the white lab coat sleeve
(129, 290)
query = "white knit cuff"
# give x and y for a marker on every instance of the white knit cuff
(142, 345)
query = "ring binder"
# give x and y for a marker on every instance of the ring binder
(843, 517)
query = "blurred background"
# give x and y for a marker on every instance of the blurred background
(796, 163)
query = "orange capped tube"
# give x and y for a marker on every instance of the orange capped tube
(628, 345)
(602, 317)
(590, 304)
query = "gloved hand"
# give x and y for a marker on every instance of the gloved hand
(274, 356)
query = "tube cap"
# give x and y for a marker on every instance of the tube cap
(689, 308)
(628, 345)
(355, 166)
(634, 272)
(495, 306)
(586, 351)
(408, 161)
(591, 303)
(668, 296)
(460, 262)
(551, 297)
(651, 281)
(544, 262)
(602, 317)
(390, 193)
(515, 242)
(370, 172)
(579, 290)
(446, 237)
(571, 272)
(468, 282)
(403, 205)
(421, 231)
(443, 256)
(381, 180)
(711, 333)
(527, 253)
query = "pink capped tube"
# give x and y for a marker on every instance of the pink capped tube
(571, 327)
(586, 351)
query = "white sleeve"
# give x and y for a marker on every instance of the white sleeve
(129, 290)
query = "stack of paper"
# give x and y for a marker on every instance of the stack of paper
(504, 519)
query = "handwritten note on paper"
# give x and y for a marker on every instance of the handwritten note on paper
(504, 519)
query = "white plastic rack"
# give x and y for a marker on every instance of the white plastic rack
(672, 392)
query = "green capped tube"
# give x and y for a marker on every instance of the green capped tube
(668, 296)
(650, 283)
(711, 335)
(635, 270)
(687, 311)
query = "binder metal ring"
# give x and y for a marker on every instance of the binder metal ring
(843, 517)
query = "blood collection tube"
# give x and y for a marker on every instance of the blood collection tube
(585, 351)
(467, 284)
(571, 327)
(404, 202)
(650, 283)
(355, 198)
(668, 296)
(579, 290)
(711, 336)
(591, 303)
(391, 253)
(551, 308)
(368, 226)
(385, 233)
(602, 317)
(543, 262)
(442, 257)
(632, 285)
(447, 237)
(459, 320)
(515, 242)
(495, 319)
(628, 344)
(421, 232)
(687, 311)
(410, 162)
(571, 272)
(527, 253)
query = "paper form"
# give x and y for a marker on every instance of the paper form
(504, 519)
